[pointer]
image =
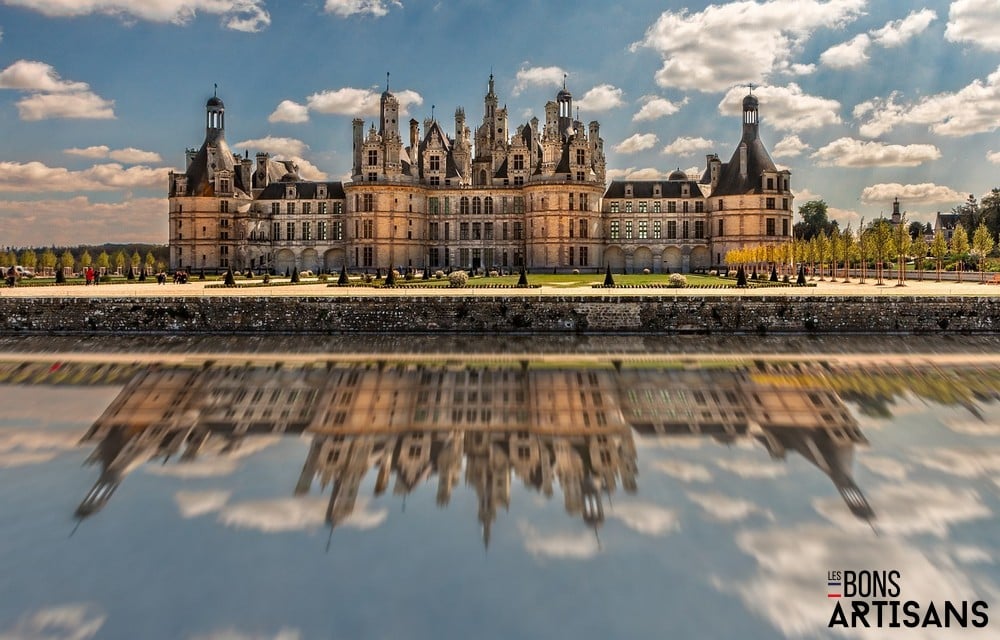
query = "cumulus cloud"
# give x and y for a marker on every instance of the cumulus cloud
(687, 146)
(654, 107)
(349, 101)
(885, 467)
(289, 111)
(897, 32)
(910, 509)
(852, 53)
(197, 503)
(785, 108)
(128, 155)
(644, 518)
(36, 177)
(75, 621)
(307, 169)
(79, 220)
(567, 546)
(601, 98)
(726, 508)
(733, 43)
(683, 471)
(345, 8)
(923, 193)
(993, 156)
(50, 95)
(538, 77)
(974, 108)
(632, 173)
(848, 152)
(964, 463)
(974, 22)
(637, 142)
(789, 147)
(272, 145)
(240, 15)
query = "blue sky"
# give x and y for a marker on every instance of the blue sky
(863, 101)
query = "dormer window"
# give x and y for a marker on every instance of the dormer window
(225, 185)
(657, 191)
(290, 192)
(628, 190)
(321, 192)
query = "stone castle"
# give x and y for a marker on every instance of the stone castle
(479, 201)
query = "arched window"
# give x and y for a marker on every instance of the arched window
(463, 205)
(477, 205)
(488, 208)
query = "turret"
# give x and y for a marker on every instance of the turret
(750, 119)
(359, 139)
(215, 120)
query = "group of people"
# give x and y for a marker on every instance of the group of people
(92, 276)
(11, 276)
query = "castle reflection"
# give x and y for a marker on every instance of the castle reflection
(553, 429)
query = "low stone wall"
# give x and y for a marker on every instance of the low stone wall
(516, 314)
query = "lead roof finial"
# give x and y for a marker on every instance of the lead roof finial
(387, 82)
(215, 92)
(564, 82)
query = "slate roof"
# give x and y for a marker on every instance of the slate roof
(304, 190)
(644, 188)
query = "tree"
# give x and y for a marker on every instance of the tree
(48, 260)
(847, 251)
(29, 259)
(960, 248)
(822, 250)
(915, 229)
(814, 220)
(103, 261)
(150, 261)
(989, 211)
(119, 260)
(136, 260)
(67, 260)
(881, 245)
(939, 249)
(901, 242)
(982, 244)
(85, 259)
(919, 251)
(968, 213)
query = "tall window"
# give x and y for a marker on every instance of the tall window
(276, 231)
(671, 206)
(519, 231)
(583, 228)
(321, 232)
(656, 229)
(722, 228)
(769, 203)
(306, 207)
(290, 208)
(784, 227)
(571, 203)
(642, 206)
(435, 163)
(684, 230)
(584, 261)
(338, 208)
(699, 228)
(477, 205)
(433, 230)
(488, 231)
(368, 202)
(769, 226)
(433, 205)
(488, 205)
(463, 231)
(643, 229)
(463, 205)
(614, 207)
(224, 206)
(290, 231)
(628, 206)
(322, 208)
(581, 156)
(368, 256)
(628, 229)
(275, 208)
(584, 204)
(338, 230)
(615, 229)
(306, 231)
(671, 229)
(699, 206)
(519, 204)
(372, 158)
(368, 229)
(518, 162)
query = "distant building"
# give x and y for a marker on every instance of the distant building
(946, 224)
(472, 200)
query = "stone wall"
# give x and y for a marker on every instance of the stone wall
(480, 314)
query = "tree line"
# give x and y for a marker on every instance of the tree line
(107, 258)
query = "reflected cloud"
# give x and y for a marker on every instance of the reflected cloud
(296, 514)
(885, 467)
(910, 509)
(747, 468)
(572, 546)
(727, 509)
(645, 518)
(22, 448)
(964, 463)
(973, 428)
(233, 634)
(74, 621)
(197, 503)
(968, 554)
(206, 468)
(789, 587)
(683, 471)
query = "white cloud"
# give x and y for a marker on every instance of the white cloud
(307, 169)
(349, 101)
(785, 108)
(683, 471)
(295, 514)
(22, 448)
(82, 105)
(631, 173)
(655, 107)
(644, 518)
(78, 220)
(289, 111)
(37, 177)
(241, 15)
(725, 508)
(637, 142)
(924, 193)
(733, 43)
(964, 463)
(197, 503)
(750, 468)
(344, 8)
(76, 621)
(973, 427)
(272, 145)
(848, 152)
(897, 32)
(573, 546)
(235, 634)
(885, 467)
(601, 98)
(909, 509)
(789, 147)
(538, 77)
(974, 21)
(129, 155)
(967, 554)
(993, 156)
(687, 146)
(31, 75)
(974, 108)
(852, 53)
